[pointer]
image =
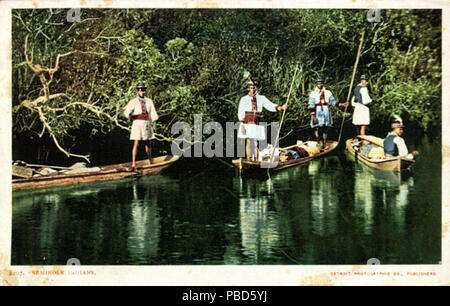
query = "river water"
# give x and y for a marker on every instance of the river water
(202, 212)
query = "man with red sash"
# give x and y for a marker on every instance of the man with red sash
(250, 117)
(143, 113)
(319, 101)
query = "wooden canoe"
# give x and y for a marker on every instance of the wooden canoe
(248, 166)
(397, 163)
(105, 173)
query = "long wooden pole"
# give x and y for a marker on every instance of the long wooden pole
(45, 166)
(284, 112)
(351, 84)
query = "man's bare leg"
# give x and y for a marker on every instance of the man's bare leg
(363, 130)
(316, 133)
(247, 149)
(134, 153)
(148, 149)
(255, 149)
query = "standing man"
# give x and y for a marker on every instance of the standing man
(360, 100)
(319, 101)
(250, 116)
(142, 113)
(394, 144)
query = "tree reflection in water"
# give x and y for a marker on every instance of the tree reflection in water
(324, 196)
(332, 210)
(379, 193)
(109, 222)
(144, 226)
(324, 212)
(258, 224)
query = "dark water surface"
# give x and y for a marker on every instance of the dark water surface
(200, 211)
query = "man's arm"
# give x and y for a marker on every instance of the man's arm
(269, 105)
(365, 95)
(241, 109)
(402, 149)
(128, 109)
(311, 100)
(333, 102)
(153, 114)
(272, 107)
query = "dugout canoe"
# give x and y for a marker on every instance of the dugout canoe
(249, 167)
(396, 164)
(108, 172)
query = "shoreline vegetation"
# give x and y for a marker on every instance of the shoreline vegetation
(72, 79)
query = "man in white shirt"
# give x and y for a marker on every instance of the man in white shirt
(394, 144)
(143, 113)
(250, 117)
(360, 101)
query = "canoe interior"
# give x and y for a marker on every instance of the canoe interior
(144, 164)
(106, 173)
(257, 167)
(397, 163)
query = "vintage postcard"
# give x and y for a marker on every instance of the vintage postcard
(223, 143)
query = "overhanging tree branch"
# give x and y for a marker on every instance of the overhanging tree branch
(37, 104)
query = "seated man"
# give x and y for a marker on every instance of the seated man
(394, 144)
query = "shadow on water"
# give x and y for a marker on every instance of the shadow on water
(329, 211)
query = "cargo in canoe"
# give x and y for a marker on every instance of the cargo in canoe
(397, 163)
(95, 174)
(249, 166)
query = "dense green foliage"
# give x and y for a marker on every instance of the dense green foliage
(195, 61)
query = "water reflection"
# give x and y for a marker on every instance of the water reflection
(329, 211)
(144, 226)
(324, 196)
(108, 222)
(282, 217)
(41, 235)
(258, 224)
(381, 193)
